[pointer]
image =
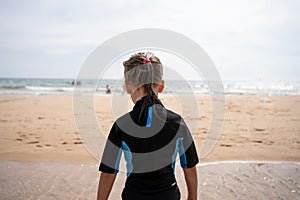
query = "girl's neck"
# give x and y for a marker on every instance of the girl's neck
(140, 93)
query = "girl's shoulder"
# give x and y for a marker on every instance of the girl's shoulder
(173, 117)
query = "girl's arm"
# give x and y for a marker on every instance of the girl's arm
(190, 175)
(106, 182)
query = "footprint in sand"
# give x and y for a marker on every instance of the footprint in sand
(78, 142)
(257, 141)
(33, 142)
(259, 129)
(225, 145)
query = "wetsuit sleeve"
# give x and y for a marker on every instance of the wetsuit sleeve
(188, 153)
(112, 152)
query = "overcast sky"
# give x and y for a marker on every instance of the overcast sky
(247, 40)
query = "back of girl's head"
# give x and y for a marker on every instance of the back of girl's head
(143, 70)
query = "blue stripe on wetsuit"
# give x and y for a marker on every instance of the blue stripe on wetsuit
(149, 118)
(127, 156)
(179, 149)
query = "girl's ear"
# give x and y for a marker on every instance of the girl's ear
(161, 86)
(127, 87)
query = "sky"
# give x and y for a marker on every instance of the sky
(246, 40)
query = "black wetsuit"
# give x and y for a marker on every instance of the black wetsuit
(150, 149)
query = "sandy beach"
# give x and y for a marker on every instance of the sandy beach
(43, 128)
(40, 133)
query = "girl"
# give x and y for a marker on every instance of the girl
(150, 137)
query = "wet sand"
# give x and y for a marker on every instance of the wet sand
(225, 180)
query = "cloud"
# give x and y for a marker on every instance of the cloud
(243, 38)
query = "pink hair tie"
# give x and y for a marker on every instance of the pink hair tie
(146, 60)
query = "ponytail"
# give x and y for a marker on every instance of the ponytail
(150, 99)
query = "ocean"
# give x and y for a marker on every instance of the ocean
(42, 87)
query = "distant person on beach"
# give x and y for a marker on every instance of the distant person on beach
(76, 82)
(107, 89)
(151, 137)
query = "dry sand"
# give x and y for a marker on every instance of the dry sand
(43, 128)
(40, 133)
